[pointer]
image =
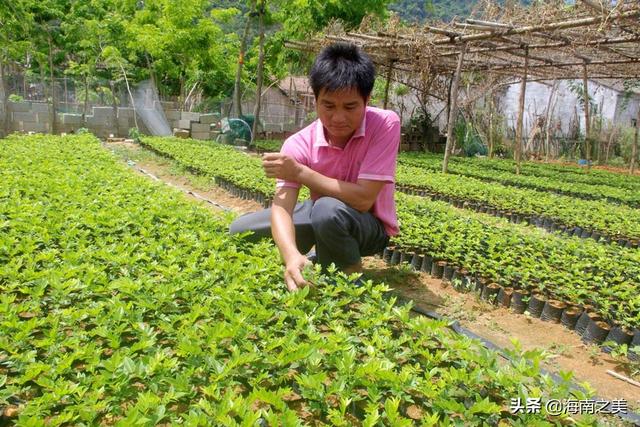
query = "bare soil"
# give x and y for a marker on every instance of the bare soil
(498, 325)
(169, 172)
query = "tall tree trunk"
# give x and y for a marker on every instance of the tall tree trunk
(519, 125)
(54, 116)
(133, 103)
(237, 95)
(388, 84)
(114, 107)
(634, 148)
(4, 87)
(152, 73)
(86, 100)
(256, 111)
(549, 114)
(453, 109)
(587, 115)
(491, 143)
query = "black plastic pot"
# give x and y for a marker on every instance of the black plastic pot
(596, 332)
(635, 342)
(584, 320)
(618, 335)
(395, 258)
(437, 269)
(504, 297)
(518, 300)
(461, 279)
(596, 236)
(570, 317)
(536, 305)
(427, 263)
(585, 234)
(552, 311)
(481, 282)
(490, 292)
(406, 257)
(416, 261)
(577, 231)
(387, 253)
(448, 273)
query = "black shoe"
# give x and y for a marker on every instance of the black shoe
(311, 256)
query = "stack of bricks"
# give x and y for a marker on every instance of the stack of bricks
(102, 122)
(199, 125)
(27, 117)
(70, 123)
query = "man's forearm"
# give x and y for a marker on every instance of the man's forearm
(353, 194)
(284, 233)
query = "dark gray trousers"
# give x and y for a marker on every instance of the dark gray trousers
(341, 234)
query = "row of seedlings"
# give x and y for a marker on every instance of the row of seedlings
(549, 224)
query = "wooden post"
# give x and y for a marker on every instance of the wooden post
(256, 110)
(114, 108)
(549, 114)
(452, 109)
(54, 118)
(634, 148)
(388, 84)
(587, 114)
(4, 92)
(491, 124)
(519, 125)
(237, 96)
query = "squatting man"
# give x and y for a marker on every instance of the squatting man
(347, 159)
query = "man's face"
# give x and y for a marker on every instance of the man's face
(341, 113)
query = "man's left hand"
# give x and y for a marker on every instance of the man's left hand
(281, 166)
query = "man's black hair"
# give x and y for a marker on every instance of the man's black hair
(342, 66)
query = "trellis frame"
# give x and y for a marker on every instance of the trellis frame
(547, 41)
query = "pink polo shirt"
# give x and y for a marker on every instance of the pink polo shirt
(370, 154)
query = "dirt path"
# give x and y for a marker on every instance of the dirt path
(499, 325)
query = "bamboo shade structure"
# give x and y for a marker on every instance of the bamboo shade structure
(560, 39)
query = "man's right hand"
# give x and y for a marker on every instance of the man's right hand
(293, 272)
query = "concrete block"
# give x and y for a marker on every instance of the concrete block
(104, 112)
(184, 124)
(199, 127)
(99, 121)
(125, 112)
(24, 117)
(209, 118)
(43, 117)
(201, 135)
(40, 107)
(273, 127)
(19, 107)
(35, 127)
(125, 124)
(172, 115)
(194, 117)
(71, 119)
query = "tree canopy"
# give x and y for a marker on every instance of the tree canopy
(175, 43)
